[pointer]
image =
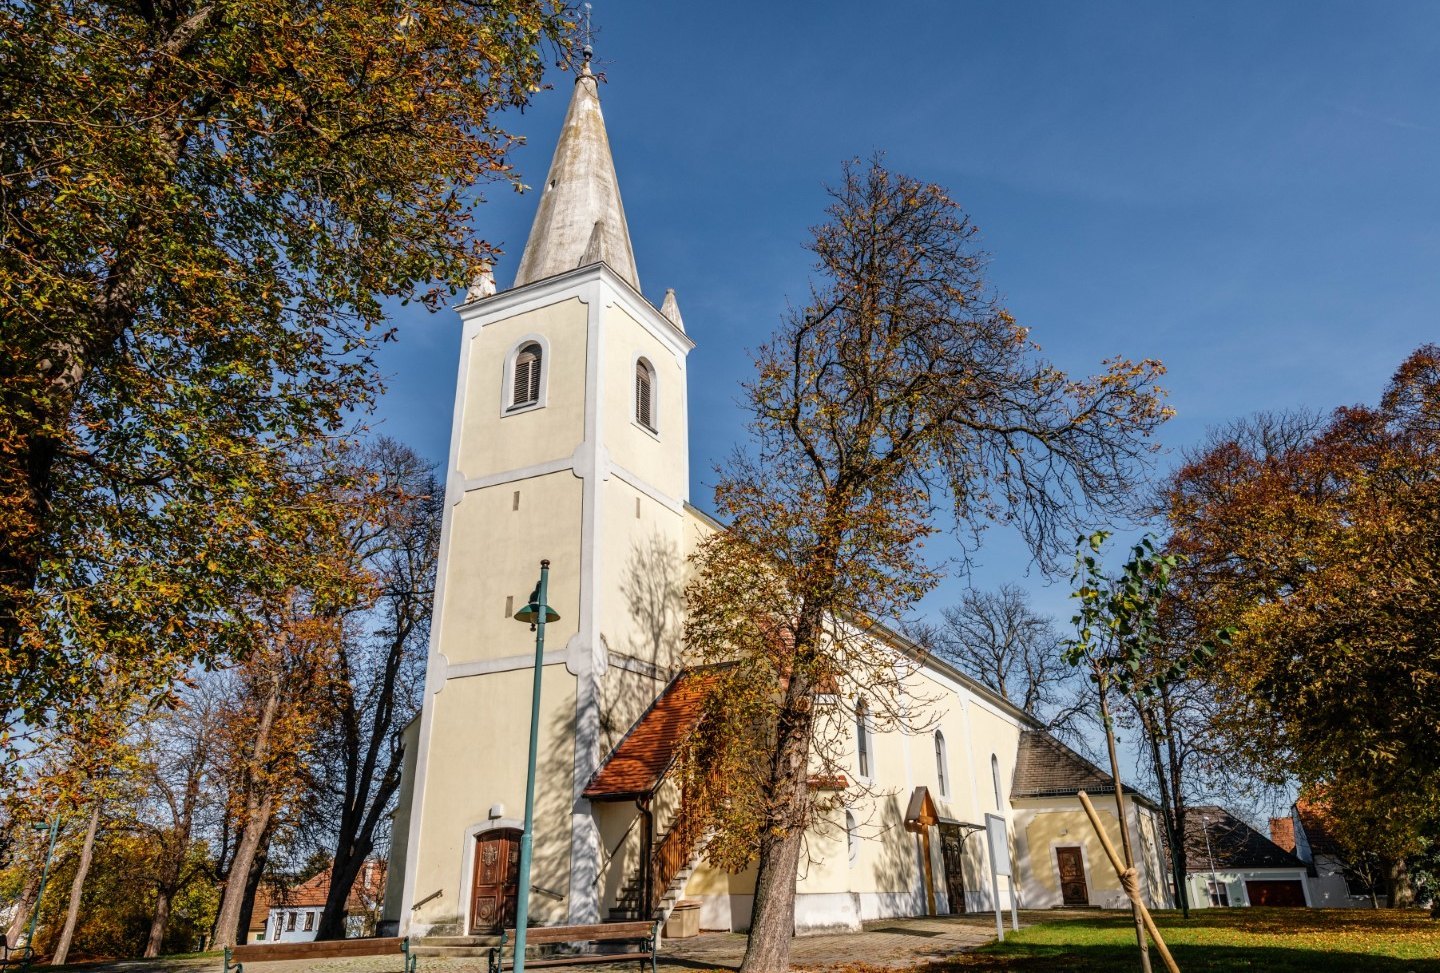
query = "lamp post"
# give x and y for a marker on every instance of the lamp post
(54, 828)
(1214, 879)
(536, 613)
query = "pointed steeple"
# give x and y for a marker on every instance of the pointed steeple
(580, 219)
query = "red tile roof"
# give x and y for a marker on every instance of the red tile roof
(369, 887)
(648, 751)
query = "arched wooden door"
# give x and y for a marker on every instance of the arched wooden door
(497, 875)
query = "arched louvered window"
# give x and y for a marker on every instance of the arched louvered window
(525, 389)
(941, 777)
(645, 394)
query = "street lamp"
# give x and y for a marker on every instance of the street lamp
(536, 614)
(1214, 879)
(54, 828)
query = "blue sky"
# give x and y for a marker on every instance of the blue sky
(1247, 192)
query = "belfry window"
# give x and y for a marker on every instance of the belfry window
(525, 379)
(645, 394)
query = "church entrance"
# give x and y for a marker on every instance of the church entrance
(952, 851)
(497, 878)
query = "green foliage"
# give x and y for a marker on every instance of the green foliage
(205, 205)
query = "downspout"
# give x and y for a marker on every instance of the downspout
(647, 852)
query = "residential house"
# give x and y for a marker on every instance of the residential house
(1229, 863)
(293, 915)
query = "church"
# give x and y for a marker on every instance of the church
(570, 442)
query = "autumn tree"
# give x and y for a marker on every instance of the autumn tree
(1323, 547)
(205, 206)
(901, 394)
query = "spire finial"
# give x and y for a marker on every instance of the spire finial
(587, 50)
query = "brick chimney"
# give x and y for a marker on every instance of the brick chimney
(1282, 832)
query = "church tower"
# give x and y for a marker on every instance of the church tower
(569, 442)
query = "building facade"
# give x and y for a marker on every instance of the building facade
(570, 443)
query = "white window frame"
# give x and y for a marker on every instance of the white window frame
(852, 840)
(864, 742)
(995, 773)
(507, 378)
(654, 428)
(942, 765)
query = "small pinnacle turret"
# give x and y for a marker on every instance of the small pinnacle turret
(580, 219)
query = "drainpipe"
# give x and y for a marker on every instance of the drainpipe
(647, 852)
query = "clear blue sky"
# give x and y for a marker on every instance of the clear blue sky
(1246, 191)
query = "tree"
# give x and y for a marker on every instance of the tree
(205, 204)
(1323, 551)
(999, 639)
(379, 661)
(900, 383)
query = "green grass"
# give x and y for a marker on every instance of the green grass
(1225, 941)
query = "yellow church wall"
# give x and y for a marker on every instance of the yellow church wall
(1071, 828)
(658, 458)
(503, 547)
(494, 442)
(641, 572)
(469, 774)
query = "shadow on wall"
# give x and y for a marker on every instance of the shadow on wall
(654, 592)
(899, 888)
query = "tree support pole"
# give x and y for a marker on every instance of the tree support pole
(1127, 881)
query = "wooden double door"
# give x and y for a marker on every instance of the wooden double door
(496, 881)
(1071, 864)
(952, 852)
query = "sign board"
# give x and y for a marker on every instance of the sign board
(999, 844)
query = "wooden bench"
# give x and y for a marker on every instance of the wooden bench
(20, 957)
(236, 957)
(644, 934)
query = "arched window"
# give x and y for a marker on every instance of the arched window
(645, 394)
(940, 776)
(525, 382)
(995, 773)
(852, 841)
(862, 737)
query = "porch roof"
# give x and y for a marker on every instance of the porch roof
(650, 748)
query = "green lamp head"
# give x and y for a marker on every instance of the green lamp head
(530, 614)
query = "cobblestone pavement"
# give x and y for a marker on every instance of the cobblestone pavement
(884, 942)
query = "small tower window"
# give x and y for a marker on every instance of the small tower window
(862, 737)
(645, 394)
(940, 777)
(525, 389)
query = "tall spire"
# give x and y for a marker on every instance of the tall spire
(580, 219)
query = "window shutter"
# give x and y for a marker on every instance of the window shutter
(642, 397)
(527, 377)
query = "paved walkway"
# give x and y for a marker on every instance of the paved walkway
(885, 942)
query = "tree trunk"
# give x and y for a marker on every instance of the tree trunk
(343, 872)
(227, 927)
(1397, 883)
(160, 922)
(252, 882)
(772, 920)
(258, 808)
(23, 905)
(1124, 825)
(77, 888)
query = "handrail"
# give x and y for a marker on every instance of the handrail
(673, 852)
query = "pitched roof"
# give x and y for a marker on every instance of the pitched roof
(1045, 767)
(580, 220)
(1214, 834)
(369, 888)
(649, 749)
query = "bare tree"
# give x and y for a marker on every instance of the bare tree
(379, 663)
(999, 639)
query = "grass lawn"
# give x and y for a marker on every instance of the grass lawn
(1225, 940)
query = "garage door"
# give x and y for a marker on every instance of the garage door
(1289, 892)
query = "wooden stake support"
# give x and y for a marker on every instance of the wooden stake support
(1129, 888)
